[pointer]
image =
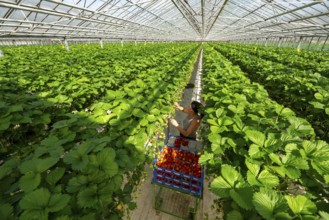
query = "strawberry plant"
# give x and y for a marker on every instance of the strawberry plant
(263, 161)
(290, 87)
(89, 160)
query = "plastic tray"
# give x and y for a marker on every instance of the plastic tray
(177, 180)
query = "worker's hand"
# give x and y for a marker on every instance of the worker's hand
(174, 122)
(177, 106)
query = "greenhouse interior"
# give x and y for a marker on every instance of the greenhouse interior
(163, 110)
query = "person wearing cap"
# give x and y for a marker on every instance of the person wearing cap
(191, 122)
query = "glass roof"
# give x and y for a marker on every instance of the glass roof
(164, 20)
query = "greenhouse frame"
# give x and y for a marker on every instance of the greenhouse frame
(275, 22)
(164, 109)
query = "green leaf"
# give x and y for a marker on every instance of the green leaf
(309, 147)
(256, 137)
(6, 211)
(253, 167)
(103, 119)
(205, 157)
(37, 199)
(219, 112)
(267, 203)
(15, 108)
(88, 198)
(327, 111)
(272, 142)
(227, 121)
(234, 215)
(254, 151)
(216, 129)
(29, 181)
(5, 123)
(279, 169)
(215, 140)
(78, 158)
(326, 177)
(57, 202)
(324, 215)
(268, 179)
(37, 165)
(292, 172)
(286, 112)
(105, 195)
(137, 112)
(105, 160)
(55, 175)
(282, 216)
(220, 187)
(297, 162)
(318, 96)
(317, 105)
(151, 118)
(252, 179)
(144, 122)
(243, 197)
(212, 122)
(77, 183)
(301, 205)
(275, 158)
(231, 176)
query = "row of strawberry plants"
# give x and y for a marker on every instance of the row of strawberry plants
(312, 64)
(77, 171)
(299, 90)
(317, 56)
(53, 72)
(258, 150)
(26, 115)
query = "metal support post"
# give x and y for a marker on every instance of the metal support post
(66, 45)
(101, 42)
(300, 42)
(1, 53)
(317, 42)
(324, 43)
(266, 41)
(310, 43)
(279, 43)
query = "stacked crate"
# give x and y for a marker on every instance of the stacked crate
(177, 167)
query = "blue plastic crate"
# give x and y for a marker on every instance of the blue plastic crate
(178, 180)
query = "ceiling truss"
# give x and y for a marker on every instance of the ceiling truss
(163, 20)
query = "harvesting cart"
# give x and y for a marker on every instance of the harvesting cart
(178, 178)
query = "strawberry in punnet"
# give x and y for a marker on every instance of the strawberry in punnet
(178, 142)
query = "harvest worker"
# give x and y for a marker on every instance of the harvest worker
(192, 120)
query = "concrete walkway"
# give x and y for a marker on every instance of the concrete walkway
(175, 201)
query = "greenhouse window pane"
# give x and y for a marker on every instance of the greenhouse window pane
(3, 11)
(30, 2)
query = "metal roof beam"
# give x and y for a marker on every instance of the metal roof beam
(214, 21)
(185, 9)
(312, 16)
(287, 12)
(62, 14)
(99, 13)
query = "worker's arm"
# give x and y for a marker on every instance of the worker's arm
(193, 126)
